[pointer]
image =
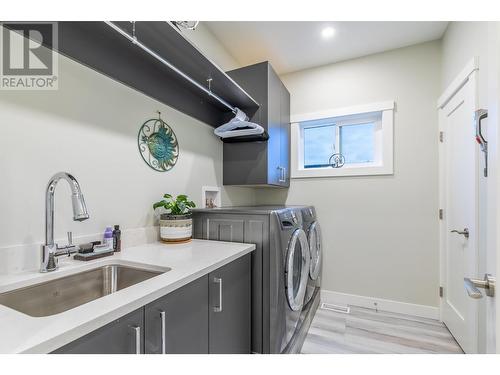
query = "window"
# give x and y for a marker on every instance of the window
(357, 143)
(362, 135)
(319, 144)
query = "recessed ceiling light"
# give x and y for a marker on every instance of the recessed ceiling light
(327, 32)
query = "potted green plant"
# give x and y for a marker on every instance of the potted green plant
(176, 224)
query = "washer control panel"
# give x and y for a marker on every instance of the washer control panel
(288, 219)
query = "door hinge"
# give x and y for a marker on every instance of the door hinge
(441, 214)
(441, 291)
(441, 137)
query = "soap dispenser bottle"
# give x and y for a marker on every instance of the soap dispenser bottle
(108, 237)
(117, 239)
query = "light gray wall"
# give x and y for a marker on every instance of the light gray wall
(380, 232)
(89, 127)
(461, 42)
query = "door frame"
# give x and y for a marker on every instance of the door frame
(468, 74)
(493, 180)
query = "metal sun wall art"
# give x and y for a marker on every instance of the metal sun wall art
(158, 144)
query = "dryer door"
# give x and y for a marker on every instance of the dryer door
(297, 269)
(315, 250)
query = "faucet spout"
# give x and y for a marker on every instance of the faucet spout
(80, 212)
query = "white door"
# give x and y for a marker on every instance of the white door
(459, 231)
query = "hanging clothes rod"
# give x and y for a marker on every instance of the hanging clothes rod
(133, 40)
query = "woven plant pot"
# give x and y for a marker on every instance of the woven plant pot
(176, 228)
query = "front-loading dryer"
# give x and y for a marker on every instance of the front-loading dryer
(312, 230)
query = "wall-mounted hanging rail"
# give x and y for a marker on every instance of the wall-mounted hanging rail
(133, 39)
(203, 90)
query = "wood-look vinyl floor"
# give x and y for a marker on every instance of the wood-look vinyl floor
(368, 331)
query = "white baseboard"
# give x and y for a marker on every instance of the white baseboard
(422, 311)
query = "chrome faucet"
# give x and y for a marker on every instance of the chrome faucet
(50, 251)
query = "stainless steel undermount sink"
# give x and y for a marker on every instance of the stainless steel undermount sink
(62, 294)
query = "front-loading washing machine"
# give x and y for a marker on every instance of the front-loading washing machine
(294, 271)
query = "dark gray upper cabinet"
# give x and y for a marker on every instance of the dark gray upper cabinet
(178, 322)
(262, 163)
(230, 308)
(122, 336)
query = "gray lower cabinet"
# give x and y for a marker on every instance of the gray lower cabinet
(122, 336)
(208, 225)
(178, 322)
(230, 308)
(212, 314)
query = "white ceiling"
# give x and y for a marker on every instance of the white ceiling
(292, 46)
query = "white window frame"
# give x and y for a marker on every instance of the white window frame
(381, 114)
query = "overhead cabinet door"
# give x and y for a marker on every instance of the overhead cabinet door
(275, 169)
(285, 135)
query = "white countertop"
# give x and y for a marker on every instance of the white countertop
(21, 333)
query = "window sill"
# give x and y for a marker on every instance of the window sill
(375, 170)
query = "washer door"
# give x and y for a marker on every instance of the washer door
(315, 250)
(297, 269)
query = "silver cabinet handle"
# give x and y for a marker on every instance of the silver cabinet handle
(218, 308)
(163, 332)
(472, 285)
(464, 233)
(282, 174)
(137, 330)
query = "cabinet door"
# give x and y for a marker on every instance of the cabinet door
(257, 232)
(225, 229)
(230, 308)
(122, 336)
(178, 322)
(285, 135)
(275, 171)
